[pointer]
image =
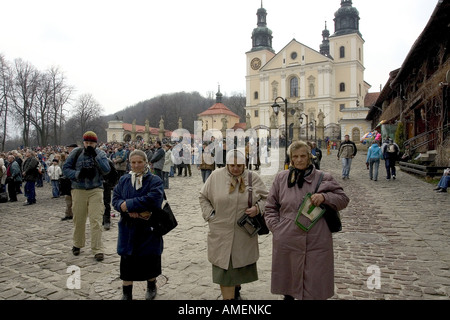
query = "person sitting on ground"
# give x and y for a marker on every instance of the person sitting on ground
(443, 183)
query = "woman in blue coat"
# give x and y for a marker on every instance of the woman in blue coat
(374, 155)
(136, 195)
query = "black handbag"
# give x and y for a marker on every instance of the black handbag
(331, 216)
(65, 186)
(163, 220)
(253, 225)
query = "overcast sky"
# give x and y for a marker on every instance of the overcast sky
(124, 52)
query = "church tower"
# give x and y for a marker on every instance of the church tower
(325, 46)
(347, 50)
(260, 53)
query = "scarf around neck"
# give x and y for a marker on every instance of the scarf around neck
(136, 178)
(297, 176)
(234, 181)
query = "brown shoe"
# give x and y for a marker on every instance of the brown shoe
(99, 257)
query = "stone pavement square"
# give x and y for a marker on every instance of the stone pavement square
(395, 244)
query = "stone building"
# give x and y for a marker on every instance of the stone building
(329, 82)
(118, 131)
(417, 93)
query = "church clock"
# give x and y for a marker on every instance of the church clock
(256, 63)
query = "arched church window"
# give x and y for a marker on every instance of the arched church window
(294, 87)
(255, 95)
(342, 87)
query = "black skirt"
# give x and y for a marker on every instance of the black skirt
(140, 268)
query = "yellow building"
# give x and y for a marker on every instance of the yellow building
(325, 88)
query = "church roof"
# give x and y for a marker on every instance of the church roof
(217, 109)
(370, 99)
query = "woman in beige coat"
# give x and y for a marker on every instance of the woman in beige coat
(224, 200)
(302, 262)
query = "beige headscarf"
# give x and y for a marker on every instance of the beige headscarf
(236, 156)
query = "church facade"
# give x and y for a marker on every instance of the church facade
(324, 90)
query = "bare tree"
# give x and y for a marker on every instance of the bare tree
(26, 80)
(5, 91)
(86, 110)
(40, 111)
(61, 96)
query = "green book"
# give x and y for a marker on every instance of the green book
(310, 211)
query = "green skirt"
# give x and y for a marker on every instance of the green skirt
(232, 276)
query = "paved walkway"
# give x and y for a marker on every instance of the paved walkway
(395, 234)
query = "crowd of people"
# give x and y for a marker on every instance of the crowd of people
(132, 177)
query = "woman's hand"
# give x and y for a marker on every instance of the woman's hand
(133, 214)
(317, 199)
(123, 206)
(253, 211)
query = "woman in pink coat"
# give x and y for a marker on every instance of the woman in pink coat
(302, 262)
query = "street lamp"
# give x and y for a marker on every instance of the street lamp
(301, 122)
(315, 124)
(276, 108)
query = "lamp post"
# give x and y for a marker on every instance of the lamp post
(276, 108)
(301, 122)
(315, 130)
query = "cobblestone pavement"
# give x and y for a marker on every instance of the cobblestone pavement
(396, 230)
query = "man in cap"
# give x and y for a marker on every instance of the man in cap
(85, 167)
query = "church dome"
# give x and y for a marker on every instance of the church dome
(346, 19)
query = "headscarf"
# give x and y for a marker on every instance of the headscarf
(297, 176)
(235, 180)
(136, 178)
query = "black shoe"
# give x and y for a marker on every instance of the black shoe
(127, 292)
(437, 189)
(75, 251)
(442, 191)
(99, 257)
(151, 290)
(237, 293)
(66, 218)
(288, 297)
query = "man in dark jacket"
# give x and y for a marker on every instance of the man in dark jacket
(14, 177)
(347, 151)
(158, 159)
(30, 174)
(390, 153)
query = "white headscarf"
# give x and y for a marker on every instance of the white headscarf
(136, 178)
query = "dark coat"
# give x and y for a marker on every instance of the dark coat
(136, 236)
(30, 168)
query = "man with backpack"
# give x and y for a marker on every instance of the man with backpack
(390, 154)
